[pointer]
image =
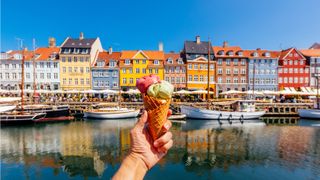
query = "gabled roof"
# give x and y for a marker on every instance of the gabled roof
(261, 54)
(78, 43)
(106, 57)
(149, 54)
(27, 54)
(234, 49)
(286, 52)
(174, 56)
(192, 47)
(315, 46)
(44, 53)
(310, 52)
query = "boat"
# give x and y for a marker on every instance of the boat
(244, 110)
(53, 112)
(111, 113)
(5, 108)
(309, 113)
(177, 117)
(20, 118)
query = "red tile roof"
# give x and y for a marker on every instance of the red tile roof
(283, 53)
(234, 49)
(174, 56)
(44, 53)
(106, 56)
(261, 54)
(27, 54)
(311, 52)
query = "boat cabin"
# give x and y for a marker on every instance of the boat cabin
(244, 106)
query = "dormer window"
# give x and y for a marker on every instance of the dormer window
(170, 61)
(100, 63)
(156, 62)
(127, 61)
(77, 51)
(255, 54)
(267, 54)
(221, 52)
(17, 56)
(180, 61)
(230, 53)
(53, 55)
(240, 53)
(112, 63)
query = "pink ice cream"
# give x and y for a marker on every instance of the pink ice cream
(146, 81)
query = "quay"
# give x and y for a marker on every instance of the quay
(272, 109)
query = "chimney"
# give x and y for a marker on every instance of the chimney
(225, 44)
(52, 42)
(110, 50)
(81, 36)
(258, 49)
(160, 46)
(198, 39)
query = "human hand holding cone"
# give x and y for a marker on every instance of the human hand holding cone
(156, 98)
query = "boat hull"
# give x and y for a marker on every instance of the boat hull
(10, 118)
(196, 113)
(6, 108)
(309, 113)
(54, 113)
(113, 115)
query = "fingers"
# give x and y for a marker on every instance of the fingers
(169, 112)
(164, 139)
(142, 121)
(166, 147)
(167, 126)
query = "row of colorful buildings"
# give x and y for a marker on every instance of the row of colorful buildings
(82, 64)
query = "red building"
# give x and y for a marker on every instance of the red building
(293, 70)
(175, 70)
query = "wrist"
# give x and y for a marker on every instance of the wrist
(138, 160)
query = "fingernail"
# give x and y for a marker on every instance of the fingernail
(155, 144)
(167, 126)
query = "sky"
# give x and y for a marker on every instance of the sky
(142, 24)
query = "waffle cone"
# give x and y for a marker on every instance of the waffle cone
(157, 115)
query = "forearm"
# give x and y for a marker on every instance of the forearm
(132, 167)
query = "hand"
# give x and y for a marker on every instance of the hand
(142, 145)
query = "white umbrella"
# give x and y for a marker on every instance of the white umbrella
(253, 92)
(201, 92)
(231, 92)
(108, 91)
(72, 91)
(90, 91)
(267, 92)
(182, 92)
(131, 91)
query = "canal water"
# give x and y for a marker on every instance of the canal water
(202, 150)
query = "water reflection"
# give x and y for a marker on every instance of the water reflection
(95, 148)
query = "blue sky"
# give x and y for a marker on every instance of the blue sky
(141, 24)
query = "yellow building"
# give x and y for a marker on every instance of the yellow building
(136, 64)
(76, 57)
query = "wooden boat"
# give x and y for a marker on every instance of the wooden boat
(20, 118)
(5, 108)
(111, 113)
(54, 112)
(309, 113)
(245, 109)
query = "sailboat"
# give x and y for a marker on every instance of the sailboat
(113, 112)
(18, 117)
(243, 109)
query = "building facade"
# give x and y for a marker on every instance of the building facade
(195, 55)
(293, 70)
(313, 56)
(175, 70)
(136, 64)
(76, 58)
(231, 68)
(105, 71)
(262, 69)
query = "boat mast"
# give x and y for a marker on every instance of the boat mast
(317, 78)
(34, 70)
(119, 92)
(22, 79)
(254, 79)
(208, 85)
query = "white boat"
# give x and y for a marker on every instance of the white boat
(5, 108)
(309, 113)
(111, 113)
(244, 110)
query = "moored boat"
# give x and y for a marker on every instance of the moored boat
(20, 118)
(5, 108)
(245, 109)
(309, 113)
(111, 113)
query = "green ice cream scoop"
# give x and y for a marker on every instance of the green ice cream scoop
(161, 90)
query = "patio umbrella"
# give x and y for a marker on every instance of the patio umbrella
(108, 91)
(182, 92)
(251, 92)
(267, 92)
(231, 92)
(201, 92)
(131, 91)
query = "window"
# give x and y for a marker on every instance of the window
(285, 70)
(296, 62)
(127, 61)
(28, 75)
(285, 62)
(235, 62)
(235, 71)
(48, 75)
(130, 70)
(70, 80)
(243, 71)
(290, 70)
(63, 59)
(7, 76)
(81, 69)
(14, 76)
(137, 70)
(211, 78)
(64, 81)
(27, 65)
(150, 70)
(290, 79)
(70, 69)
(124, 80)
(55, 75)
(243, 80)
(69, 59)
(201, 78)
(167, 79)
(183, 79)
(295, 70)
(41, 75)
(201, 66)
(306, 80)
(87, 59)
(131, 81)
(228, 71)
(301, 79)
(124, 70)
(243, 61)
(301, 70)
(172, 80)
(55, 65)
(190, 66)
(189, 77)
(144, 61)
(235, 80)
(306, 70)
(177, 69)
(156, 70)
(156, 62)
(107, 84)
(64, 69)
(81, 59)
(183, 70)
(211, 67)
(195, 66)
(228, 62)
(95, 83)
(76, 81)
(290, 62)
(228, 80)
(14, 66)
(301, 62)
(115, 84)
(219, 79)
(178, 80)
(295, 80)
(285, 80)
(137, 61)
(195, 78)
(219, 71)
(112, 64)
(219, 61)
(280, 70)
(95, 74)
(87, 81)
(75, 69)
(144, 71)
(87, 69)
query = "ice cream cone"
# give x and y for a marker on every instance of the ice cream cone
(157, 114)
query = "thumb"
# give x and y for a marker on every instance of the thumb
(142, 121)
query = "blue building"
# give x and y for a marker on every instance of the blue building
(262, 68)
(105, 71)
